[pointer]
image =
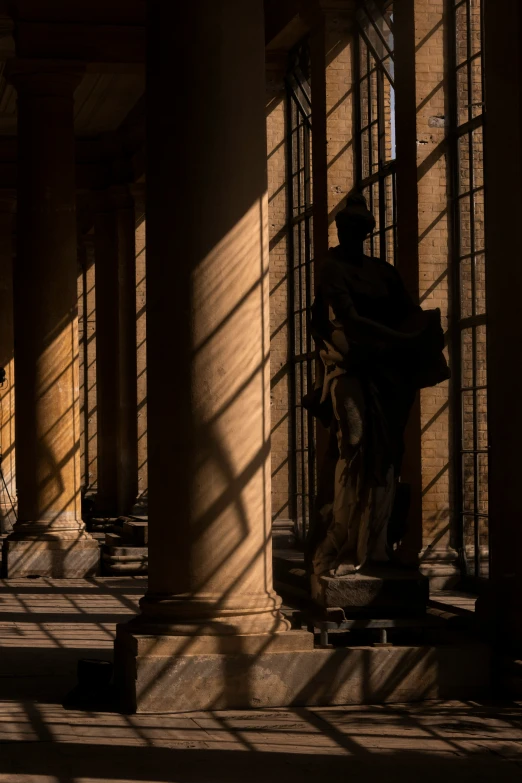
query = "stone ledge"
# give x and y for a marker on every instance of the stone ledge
(240, 644)
(151, 683)
(62, 559)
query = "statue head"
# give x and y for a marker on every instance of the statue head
(355, 221)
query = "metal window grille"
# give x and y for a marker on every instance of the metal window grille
(469, 283)
(375, 123)
(300, 222)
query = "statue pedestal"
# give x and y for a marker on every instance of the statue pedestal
(376, 592)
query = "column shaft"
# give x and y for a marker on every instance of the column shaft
(208, 343)
(7, 410)
(503, 58)
(210, 569)
(407, 261)
(116, 366)
(46, 332)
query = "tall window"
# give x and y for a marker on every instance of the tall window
(299, 117)
(375, 137)
(469, 284)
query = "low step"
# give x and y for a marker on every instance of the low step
(118, 559)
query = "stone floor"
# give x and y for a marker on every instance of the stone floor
(46, 626)
(431, 742)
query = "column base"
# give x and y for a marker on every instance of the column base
(58, 559)
(7, 518)
(186, 673)
(440, 566)
(158, 674)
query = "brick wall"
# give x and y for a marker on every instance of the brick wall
(277, 222)
(339, 113)
(87, 364)
(434, 257)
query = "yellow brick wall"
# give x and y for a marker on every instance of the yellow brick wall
(434, 256)
(87, 364)
(277, 222)
(339, 113)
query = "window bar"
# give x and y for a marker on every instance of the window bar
(378, 31)
(301, 335)
(381, 158)
(469, 59)
(394, 213)
(298, 172)
(370, 138)
(300, 223)
(476, 538)
(374, 183)
(358, 111)
(484, 134)
(371, 49)
(458, 398)
(309, 347)
(291, 303)
(470, 195)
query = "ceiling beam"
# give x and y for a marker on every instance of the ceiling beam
(85, 42)
(119, 12)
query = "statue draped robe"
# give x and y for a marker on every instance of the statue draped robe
(360, 321)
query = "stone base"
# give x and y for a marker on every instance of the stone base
(440, 566)
(7, 518)
(376, 591)
(183, 674)
(63, 558)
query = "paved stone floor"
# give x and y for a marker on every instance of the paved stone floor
(46, 626)
(447, 742)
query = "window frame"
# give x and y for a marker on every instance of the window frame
(472, 567)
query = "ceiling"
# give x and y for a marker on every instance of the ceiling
(106, 37)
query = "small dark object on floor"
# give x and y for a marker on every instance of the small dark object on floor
(94, 689)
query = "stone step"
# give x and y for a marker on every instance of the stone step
(120, 557)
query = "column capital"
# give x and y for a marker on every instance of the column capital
(45, 78)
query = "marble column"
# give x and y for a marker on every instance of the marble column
(501, 604)
(7, 410)
(49, 538)
(210, 620)
(116, 369)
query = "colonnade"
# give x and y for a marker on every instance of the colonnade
(210, 601)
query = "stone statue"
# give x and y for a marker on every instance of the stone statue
(376, 349)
